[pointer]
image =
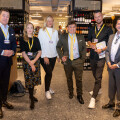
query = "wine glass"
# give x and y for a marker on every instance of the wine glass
(66, 57)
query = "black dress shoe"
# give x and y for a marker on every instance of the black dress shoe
(35, 99)
(116, 113)
(108, 106)
(1, 113)
(80, 99)
(7, 105)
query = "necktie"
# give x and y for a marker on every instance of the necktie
(71, 48)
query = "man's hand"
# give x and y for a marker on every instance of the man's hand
(8, 53)
(93, 46)
(64, 58)
(98, 51)
(114, 66)
(109, 65)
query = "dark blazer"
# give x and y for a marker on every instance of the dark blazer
(62, 46)
(108, 51)
(11, 46)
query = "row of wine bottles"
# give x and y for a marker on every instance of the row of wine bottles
(84, 17)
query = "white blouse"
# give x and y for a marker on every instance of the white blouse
(48, 46)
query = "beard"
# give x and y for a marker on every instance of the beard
(99, 22)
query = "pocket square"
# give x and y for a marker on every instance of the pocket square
(12, 34)
(80, 40)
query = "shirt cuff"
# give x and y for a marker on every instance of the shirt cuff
(118, 66)
(2, 52)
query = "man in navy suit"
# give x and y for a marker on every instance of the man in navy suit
(7, 50)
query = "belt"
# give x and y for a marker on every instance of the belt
(76, 58)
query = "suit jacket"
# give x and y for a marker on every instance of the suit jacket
(108, 51)
(63, 46)
(11, 46)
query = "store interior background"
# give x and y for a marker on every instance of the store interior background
(39, 9)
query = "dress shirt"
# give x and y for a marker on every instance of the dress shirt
(5, 30)
(48, 46)
(75, 47)
(114, 47)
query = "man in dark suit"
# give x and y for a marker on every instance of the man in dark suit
(113, 62)
(71, 49)
(7, 50)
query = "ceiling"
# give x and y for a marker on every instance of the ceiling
(43, 8)
(39, 9)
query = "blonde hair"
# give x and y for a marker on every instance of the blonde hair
(25, 36)
(45, 22)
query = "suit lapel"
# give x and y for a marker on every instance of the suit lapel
(67, 47)
(112, 38)
(2, 35)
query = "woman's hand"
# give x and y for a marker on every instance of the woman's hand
(33, 68)
(46, 61)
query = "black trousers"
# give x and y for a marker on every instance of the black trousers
(48, 70)
(97, 70)
(4, 81)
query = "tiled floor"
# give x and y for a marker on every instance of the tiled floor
(60, 107)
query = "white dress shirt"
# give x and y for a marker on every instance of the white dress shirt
(5, 30)
(48, 46)
(75, 47)
(114, 47)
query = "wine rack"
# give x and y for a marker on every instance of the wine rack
(17, 20)
(84, 20)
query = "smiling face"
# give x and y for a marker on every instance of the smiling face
(98, 17)
(72, 29)
(4, 17)
(49, 22)
(30, 29)
(118, 25)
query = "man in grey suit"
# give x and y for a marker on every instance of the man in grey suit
(71, 49)
(113, 62)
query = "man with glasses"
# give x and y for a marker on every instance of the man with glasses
(113, 62)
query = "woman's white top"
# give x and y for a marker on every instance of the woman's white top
(48, 46)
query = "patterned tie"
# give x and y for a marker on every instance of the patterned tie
(116, 40)
(71, 48)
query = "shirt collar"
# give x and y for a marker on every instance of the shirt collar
(100, 26)
(117, 35)
(1, 25)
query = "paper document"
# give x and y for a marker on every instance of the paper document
(101, 45)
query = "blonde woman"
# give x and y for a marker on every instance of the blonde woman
(31, 51)
(48, 38)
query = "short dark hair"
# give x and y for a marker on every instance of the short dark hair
(3, 9)
(97, 11)
(71, 22)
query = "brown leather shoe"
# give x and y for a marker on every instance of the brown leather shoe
(7, 105)
(106, 106)
(1, 113)
(116, 113)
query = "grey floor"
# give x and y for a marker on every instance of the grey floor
(60, 107)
